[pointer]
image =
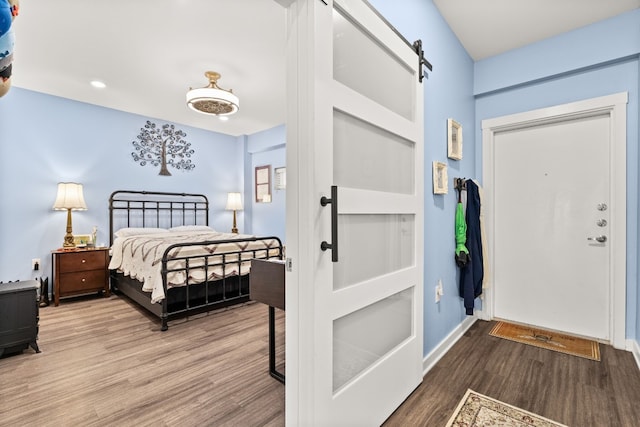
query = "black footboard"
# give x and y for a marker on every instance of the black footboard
(216, 278)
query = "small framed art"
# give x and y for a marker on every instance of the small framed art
(82, 240)
(440, 178)
(263, 184)
(280, 178)
(454, 140)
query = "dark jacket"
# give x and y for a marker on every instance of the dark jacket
(471, 275)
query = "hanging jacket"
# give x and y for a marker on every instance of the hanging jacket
(462, 253)
(472, 273)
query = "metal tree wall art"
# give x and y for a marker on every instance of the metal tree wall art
(162, 146)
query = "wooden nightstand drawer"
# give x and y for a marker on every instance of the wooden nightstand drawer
(80, 271)
(81, 261)
(82, 281)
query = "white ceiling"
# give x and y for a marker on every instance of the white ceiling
(150, 52)
(490, 27)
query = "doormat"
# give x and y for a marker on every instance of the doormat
(476, 409)
(546, 339)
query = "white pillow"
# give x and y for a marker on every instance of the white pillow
(192, 228)
(132, 231)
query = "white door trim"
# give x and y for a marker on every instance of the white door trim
(615, 107)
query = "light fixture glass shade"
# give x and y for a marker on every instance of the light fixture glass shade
(234, 202)
(70, 196)
(213, 99)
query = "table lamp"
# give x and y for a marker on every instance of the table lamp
(69, 198)
(234, 203)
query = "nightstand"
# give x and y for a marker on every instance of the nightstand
(80, 271)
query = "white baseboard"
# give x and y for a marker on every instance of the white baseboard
(445, 345)
(634, 348)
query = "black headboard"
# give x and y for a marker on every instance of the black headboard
(155, 209)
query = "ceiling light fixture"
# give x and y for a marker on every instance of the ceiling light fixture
(212, 99)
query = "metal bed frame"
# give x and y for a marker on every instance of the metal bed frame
(166, 210)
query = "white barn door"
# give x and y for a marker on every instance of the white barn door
(355, 141)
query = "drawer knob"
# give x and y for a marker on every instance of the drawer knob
(84, 260)
(84, 280)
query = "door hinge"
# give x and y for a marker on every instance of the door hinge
(289, 264)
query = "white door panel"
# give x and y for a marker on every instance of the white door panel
(358, 329)
(376, 289)
(565, 262)
(549, 180)
(357, 50)
(368, 157)
(363, 201)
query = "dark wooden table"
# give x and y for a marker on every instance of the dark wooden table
(266, 285)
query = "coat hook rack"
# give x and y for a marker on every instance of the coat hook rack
(460, 184)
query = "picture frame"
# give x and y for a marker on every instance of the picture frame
(280, 178)
(263, 184)
(440, 179)
(82, 240)
(454, 140)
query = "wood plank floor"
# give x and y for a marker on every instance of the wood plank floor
(574, 391)
(105, 363)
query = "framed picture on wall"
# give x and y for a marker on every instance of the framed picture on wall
(280, 178)
(440, 185)
(263, 184)
(454, 140)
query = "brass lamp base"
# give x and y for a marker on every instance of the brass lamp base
(234, 229)
(68, 238)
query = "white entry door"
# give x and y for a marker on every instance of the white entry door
(558, 222)
(354, 302)
(552, 195)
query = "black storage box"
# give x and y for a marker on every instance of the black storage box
(19, 316)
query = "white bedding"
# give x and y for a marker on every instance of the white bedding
(140, 257)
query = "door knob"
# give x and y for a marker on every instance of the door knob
(599, 239)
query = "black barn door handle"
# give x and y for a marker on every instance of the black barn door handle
(334, 223)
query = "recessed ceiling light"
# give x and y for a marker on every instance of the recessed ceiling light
(223, 118)
(98, 84)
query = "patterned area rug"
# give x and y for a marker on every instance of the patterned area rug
(477, 410)
(546, 339)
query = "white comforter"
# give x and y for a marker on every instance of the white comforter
(141, 257)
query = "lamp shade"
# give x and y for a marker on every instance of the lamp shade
(234, 202)
(70, 197)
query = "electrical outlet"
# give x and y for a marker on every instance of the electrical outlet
(439, 291)
(35, 264)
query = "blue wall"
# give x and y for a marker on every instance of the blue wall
(266, 148)
(600, 59)
(448, 93)
(46, 139)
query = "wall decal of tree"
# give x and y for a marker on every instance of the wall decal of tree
(162, 146)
